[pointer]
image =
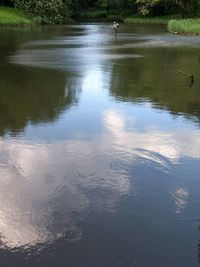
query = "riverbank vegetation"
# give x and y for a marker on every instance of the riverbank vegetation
(10, 16)
(184, 26)
(148, 20)
(132, 11)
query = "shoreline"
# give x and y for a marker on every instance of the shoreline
(174, 25)
(184, 27)
(10, 17)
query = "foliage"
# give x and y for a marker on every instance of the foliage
(144, 6)
(189, 8)
(94, 14)
(59, 11)
(47, 11)
(6, 2)
(10, 16)
(185, 26)
(118, 6)
(66, 10)
(184, 7)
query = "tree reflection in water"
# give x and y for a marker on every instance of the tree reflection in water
(33, 96)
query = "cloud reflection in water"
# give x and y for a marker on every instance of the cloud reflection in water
(46, 188)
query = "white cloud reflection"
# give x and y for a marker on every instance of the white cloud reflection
(181, 199)
(170, 145)
(40, 182)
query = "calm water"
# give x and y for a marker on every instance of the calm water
(99, 147)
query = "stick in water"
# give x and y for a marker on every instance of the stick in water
(187, 74)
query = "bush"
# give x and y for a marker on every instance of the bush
(46, 11)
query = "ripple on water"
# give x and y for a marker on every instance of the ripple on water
(72, 234)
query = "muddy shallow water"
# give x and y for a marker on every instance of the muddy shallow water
(99, 147)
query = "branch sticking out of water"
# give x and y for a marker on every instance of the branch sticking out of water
(191, 76)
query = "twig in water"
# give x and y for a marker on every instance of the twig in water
(191, 76)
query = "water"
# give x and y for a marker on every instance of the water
(99, 147)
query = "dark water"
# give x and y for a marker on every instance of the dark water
(99, 147)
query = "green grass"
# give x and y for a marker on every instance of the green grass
(174, 23)
(184, 26)
(148, 20)
(11, 16)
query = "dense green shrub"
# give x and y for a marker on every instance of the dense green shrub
(46, 11)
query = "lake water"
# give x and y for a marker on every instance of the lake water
(99, 147)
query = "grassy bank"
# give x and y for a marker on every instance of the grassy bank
(148, 20)
(184, 26)
(11, 16)
(174, 23)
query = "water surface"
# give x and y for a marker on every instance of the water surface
(99, 147)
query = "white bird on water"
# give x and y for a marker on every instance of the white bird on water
(115, 26)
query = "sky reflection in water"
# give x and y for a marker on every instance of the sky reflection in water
(40, 179)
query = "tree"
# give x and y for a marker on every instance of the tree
(188, 8)
(121, 6)
(145, 6)
(46, 11)
(58, 11)
(6, 2)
